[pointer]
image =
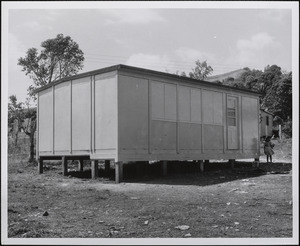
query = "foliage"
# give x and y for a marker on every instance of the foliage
(277, 121)
(278, 98)
(287, 128)
(59, 58)
(201, 71)
(274, 85)
(15, 117)
(21, 118)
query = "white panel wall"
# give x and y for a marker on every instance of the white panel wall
(62, 119)
(133, 114)
(81, 114)
(46, 120)
(105, 113)
(250, 123)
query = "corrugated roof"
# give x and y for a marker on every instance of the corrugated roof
(145, 71)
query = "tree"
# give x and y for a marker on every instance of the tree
(201, 71)
(23, 119)
(278, 98)
(29, 128)
(59, 58)
(15, 116)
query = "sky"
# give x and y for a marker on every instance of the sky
(163, 38)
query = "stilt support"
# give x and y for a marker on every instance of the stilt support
(206, 162)
(256, 161)
(40, 165)
(118, 172)
(201, 164)
(165, 168)
(140, 168)
(107, 166)
(81, 166)
(231, 162)
(94, 167)
(64, 164)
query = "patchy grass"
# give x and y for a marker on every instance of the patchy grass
(242, 202)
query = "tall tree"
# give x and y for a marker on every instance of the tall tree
(201, 71)
(59, 58)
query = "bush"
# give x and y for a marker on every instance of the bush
(287, 128)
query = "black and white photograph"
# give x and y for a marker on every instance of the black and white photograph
(149, 123)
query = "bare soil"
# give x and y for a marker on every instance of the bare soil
(221, 202)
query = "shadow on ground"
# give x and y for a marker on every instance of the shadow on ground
(182, 173)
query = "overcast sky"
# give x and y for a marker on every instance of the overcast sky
(162, 39)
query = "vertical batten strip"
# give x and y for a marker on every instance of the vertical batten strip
(117, 80)
(71, 108)
(37, 128)
(177, 122)
(241, 123)
(224, 121)
(201, 108)
(149, 115)
(91, 114)
(258, 132)
(53, 118)
(94, 119)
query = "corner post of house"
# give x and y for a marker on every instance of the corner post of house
(118, 172)
(64, 163)
(40, 165)
(107, 166)
(94, 167)
(201, 164)
(81, 165)
(231, 163)
(165, 168)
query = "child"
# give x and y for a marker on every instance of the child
(268, 149)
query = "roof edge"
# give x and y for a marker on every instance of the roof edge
(147, 71)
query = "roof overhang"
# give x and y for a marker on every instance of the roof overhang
(122, 67)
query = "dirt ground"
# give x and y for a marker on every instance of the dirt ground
(220, 202)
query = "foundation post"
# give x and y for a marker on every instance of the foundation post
(80, 165)
(231, 162)
(40, 165)
(201, 166)
(256, 161)
(165, 168)
(94, 167)
(107, 166)
(118, 172)
(64, 164)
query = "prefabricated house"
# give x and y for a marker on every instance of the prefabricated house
(126, 114)
(266, 124)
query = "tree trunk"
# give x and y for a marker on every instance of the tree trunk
(16, 138)
(31, 154)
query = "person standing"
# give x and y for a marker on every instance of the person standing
(268, 149)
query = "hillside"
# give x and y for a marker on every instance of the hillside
(233, 74)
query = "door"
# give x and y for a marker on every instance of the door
(232, 123)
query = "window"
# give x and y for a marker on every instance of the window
(231, 111)
(267, 120)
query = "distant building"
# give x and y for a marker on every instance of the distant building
(266, 124)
